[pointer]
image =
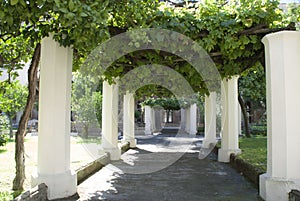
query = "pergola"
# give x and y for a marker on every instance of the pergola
(283, 104)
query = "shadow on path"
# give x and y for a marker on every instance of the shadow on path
(186, 178)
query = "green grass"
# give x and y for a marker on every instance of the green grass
(6, 196)
(2, 150)
(89, 140)
(254, 151)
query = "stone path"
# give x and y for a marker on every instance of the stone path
(167, 168)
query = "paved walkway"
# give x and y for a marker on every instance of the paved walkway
(167, 168)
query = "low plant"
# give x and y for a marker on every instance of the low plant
(6, 196)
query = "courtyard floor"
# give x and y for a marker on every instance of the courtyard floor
(167, 167)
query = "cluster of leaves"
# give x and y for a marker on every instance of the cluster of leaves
(14, 53)
(74, 22)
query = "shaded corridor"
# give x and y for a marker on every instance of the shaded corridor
(135, 178)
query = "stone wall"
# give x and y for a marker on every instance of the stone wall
(38, 193)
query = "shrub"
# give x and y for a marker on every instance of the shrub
(3, 129)
(259, 130)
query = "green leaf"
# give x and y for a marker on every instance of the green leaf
(14, 2)
(63, 10)
(83, 14)
(71, 5)
(23, 3)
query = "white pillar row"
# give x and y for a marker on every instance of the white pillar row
(53, 167)
(229, 132)
(187, 120)
(182, 119)
(283, 111)
(110, 103)
(128, 119)
(210, 121)
(193, 119)
(148, 120)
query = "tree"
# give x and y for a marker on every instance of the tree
(86, 102)
(12, 100)
(252, 86)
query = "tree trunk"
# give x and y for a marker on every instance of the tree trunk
(85, 131)
(246, 118)
(21, 132)
(10, 126)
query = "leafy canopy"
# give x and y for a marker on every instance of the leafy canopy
(229, 32)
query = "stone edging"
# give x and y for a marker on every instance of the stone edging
(38, 193)
(248, 170)
(89, 169)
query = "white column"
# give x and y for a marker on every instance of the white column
(229, 132)
(210, 121)
(110, 103)
(187, 120)
(157, 119)
(128, 119)
(283, 111)
(182, 119)
(239, 120)
(53, 167)
(153, 125)
(193, 119)
(148, 122)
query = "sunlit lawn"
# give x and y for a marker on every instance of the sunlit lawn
(83, 151)
(254, 151)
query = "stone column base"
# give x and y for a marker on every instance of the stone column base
(271, 188)
(59, 185)
(114, 153)
(132, 142)
(208, 143)
(224, 154)
(148, 132)
(193, 132)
